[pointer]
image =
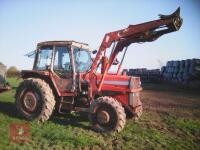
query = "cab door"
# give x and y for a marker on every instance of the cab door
(62, 67)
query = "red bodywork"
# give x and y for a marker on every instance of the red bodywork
(124, 88)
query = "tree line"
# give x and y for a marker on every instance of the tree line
(13, 72)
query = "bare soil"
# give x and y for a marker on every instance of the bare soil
(170, 99)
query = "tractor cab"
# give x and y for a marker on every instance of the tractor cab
(62, 61)
(63, 57)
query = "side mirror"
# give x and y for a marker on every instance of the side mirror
(94, 51)
(31, 54)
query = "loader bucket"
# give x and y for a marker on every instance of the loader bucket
(177, 20)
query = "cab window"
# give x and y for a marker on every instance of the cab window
(44, 58)
(83, 60)
(62, 61)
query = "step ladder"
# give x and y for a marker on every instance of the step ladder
(66, 104)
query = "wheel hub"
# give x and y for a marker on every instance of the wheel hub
(103, 117)
(30, 101)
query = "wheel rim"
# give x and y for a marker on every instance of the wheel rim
(30, 101)
(103, 117)
(106, 117)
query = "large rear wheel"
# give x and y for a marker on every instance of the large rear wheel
(34, 100)
(107, 115)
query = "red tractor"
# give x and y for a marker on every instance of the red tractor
(66, 78)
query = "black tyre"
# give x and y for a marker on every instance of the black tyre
(107, 115)
(34, 100)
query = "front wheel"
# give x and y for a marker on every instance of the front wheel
(34, 100)
(107, 115)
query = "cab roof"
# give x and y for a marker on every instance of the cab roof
(65, 43)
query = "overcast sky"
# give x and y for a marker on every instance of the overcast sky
(24, 23)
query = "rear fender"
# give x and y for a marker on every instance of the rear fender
(44, 75)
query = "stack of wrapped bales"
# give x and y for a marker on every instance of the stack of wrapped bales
(146, 75)
(184, 72)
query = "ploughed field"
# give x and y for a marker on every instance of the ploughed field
(171, 120)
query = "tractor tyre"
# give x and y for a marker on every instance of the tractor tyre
(34, 100)
(107, 115)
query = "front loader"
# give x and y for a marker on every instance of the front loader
(66, 78)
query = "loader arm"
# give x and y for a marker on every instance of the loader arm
(144, 32)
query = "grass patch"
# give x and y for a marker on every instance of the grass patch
(187, 125)
(14, 82)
